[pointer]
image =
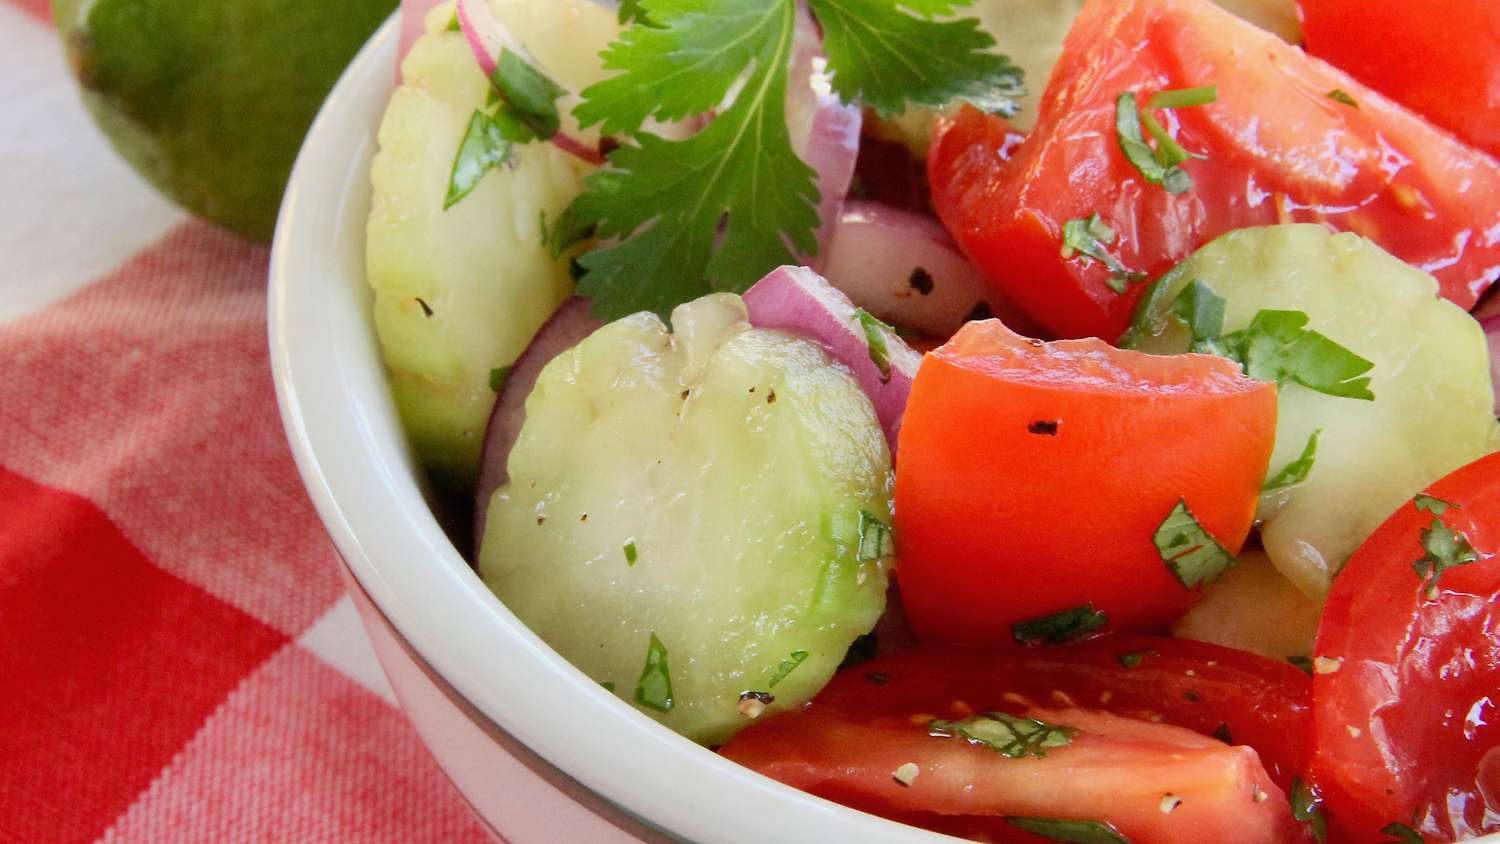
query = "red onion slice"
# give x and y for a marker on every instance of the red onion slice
(799, 301)
(487, 37)
(904, 268)
(566, 328)
(413, 25)
(824, 131)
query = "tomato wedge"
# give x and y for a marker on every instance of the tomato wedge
(1034, 478)
(1278, 147)
(1143, 708)
(1452, 81)
(1408, 669)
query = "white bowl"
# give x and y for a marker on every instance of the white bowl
(540, 750)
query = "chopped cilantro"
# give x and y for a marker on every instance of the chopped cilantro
(631, 11)
(486, 144)
(1339, 95)
(1070, 831)
(609, 685)
(1163, 164)
(1443, 548)
(1400, 833)
(874, 538)
(630, 553)
(717, 210)
(1431, 504)
(1059, 627)
(453, 24)
(1087, 236)
(654, 689)
(1307, 808)
(1275, 346)
(1008, 735)
(786, 667)
(529, 96)
(880, 353)
(498, 376)
(1296, 471)
(1130, 659)
(1189, 551)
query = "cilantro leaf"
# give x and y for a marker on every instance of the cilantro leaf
(1059, 627)
(1443, 548)
(786, 667)
(1431, 504)
(1008, 735)
(486, 144)
(1201, 311)
(654, 689)
(631, 12)
(1070, 831)
(885, 58)
(1189, 551)
(1296, 471)
(714, 211)
(1161, 165)
(1087, 236)
(1339, 95)
(1400, 833)
(880, 353)
(498, 376)
(529, 96)
(1307, 808)
(1130, 659)
(1277, 346)
(630, 553)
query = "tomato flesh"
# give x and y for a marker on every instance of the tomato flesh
(1033, 477)
(1452, 81)
(1278, 149)
(1406, 698)
(1141, 736)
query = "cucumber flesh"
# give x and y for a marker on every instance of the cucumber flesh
(459, 293)
(1433, 407)
(704, 487)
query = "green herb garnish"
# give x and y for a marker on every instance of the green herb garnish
(527, 111)
(1430, 504)
(528, 96)
(880, 353)
(1070, 831)
(486, 144)
(1130, 659)
(1163, 164)
(1059, 627)
(1400, 833)
(498, 376)
(1201, 310)
(630, 553)
(1295, 472)
(1189, 551)
(1008, 735)
(1339, 95)
(717, 210)
(1443, 548)
(786, 667)
(654, 689)
(1088, 236)
(1307, 808)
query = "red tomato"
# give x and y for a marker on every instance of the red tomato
(1440, 58)
(1408, 680)
(1279, 150)
(1149, 740)
(1033, 477)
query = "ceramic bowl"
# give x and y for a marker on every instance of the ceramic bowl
(540, 751)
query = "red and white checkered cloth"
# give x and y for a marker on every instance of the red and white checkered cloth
(177, 659)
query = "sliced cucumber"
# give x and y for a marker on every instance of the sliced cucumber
(1433, 406)
(459, 293)
(1253, 607)
(705, 487)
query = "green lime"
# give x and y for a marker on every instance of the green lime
(210, 100)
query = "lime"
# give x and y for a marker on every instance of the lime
(209, 101)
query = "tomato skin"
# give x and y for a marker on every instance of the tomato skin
(1279, 150)
(1000, 522)
(1452, 81)
(1407, 726)
(847, 741)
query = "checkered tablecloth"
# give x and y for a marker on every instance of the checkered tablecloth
(177, 659)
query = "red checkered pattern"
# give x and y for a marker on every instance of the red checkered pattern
(169, 669)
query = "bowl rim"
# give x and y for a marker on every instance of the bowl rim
(367, 494)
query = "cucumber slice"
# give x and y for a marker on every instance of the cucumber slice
(1433, 407)
(459, 293)
(706, 488)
